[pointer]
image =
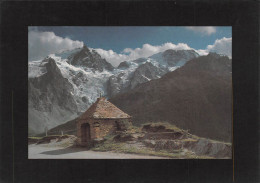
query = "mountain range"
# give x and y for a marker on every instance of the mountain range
(178, 86)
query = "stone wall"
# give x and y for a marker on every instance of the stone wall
(99, 128)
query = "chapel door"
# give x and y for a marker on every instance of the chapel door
(85, 132)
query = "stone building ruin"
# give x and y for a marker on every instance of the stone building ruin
(101, 119)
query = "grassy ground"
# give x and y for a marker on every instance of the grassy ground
(134, 148)
(125, 148)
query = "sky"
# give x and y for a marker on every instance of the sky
(120, 43)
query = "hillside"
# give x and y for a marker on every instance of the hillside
(195, 97)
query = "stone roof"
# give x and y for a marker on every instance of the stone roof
(104, 109)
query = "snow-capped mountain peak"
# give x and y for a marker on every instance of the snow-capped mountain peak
(89, 59)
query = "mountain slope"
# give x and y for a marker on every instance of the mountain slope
(196, 96)
(50, 98)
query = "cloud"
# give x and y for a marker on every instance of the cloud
(221, 46)
(202, 52)
(132, 54)
(204, 30)
(112, 57)
(42, 44)
(148, 50)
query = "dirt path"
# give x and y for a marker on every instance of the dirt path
(42, 152)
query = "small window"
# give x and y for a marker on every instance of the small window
(118, 127)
